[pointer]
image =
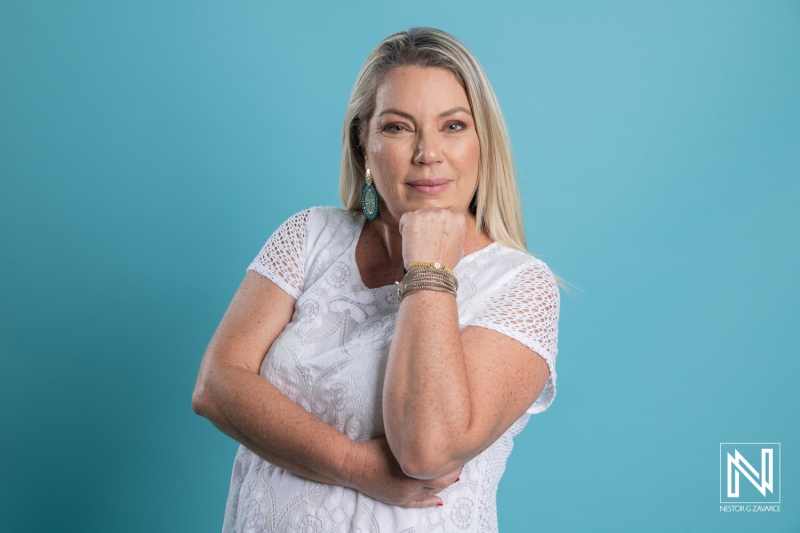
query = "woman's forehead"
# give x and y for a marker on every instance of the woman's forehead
(420, 90)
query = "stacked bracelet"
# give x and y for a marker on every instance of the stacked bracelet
(429, 277)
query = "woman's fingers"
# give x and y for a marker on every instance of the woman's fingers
(445, 481)
(428, 493)
(434, 486)
(402, 222)
(430, 501)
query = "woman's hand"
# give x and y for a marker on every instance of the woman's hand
(433, 235)
(377, 474)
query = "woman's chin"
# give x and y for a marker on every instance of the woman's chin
(432, 202)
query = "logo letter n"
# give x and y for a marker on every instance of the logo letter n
(738, 464)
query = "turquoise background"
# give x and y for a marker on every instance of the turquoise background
(148, 149)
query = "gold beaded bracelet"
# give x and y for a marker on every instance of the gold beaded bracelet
(436, 265)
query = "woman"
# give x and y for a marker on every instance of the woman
(361, 403)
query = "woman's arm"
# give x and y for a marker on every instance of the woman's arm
(251, 410)
(449, 394)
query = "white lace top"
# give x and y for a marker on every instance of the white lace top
(330, 360)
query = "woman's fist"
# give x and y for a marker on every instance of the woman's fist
(433, 235)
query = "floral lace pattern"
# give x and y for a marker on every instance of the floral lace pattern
(331, 360)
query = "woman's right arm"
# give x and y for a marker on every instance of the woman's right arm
(239, 402)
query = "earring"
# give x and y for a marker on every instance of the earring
(369, 198)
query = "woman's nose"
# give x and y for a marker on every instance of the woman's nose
(427, 150)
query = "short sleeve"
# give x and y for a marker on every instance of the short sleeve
(282, 259)
(526, 309)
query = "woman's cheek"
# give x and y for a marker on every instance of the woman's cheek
(395, 166)
(465, 154)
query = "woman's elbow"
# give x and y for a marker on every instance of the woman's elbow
(426, 463)
(418, 470)
(198, 402)
(200, 397)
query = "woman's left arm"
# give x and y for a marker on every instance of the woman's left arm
(450, 393)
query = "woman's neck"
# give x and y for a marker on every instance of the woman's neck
(379, 251)
(392, 241)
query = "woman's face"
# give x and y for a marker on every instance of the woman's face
(421, 147)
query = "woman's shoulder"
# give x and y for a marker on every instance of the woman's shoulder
(330, 233)
(318, 223)
(496, 264)
(322, 215)
(326, 224)
(304, 245)
(496, 270)
(329, 216)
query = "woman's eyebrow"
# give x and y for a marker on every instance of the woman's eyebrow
(456, 110)
(395, 112)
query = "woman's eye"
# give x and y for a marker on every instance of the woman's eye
(456, 126)
(393, 128)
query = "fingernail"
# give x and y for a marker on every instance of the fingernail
(456, 479)
(439, 504)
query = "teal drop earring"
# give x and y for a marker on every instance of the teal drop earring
(369, 198)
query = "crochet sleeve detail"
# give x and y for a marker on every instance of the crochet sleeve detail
(526, 309)
(282, 259)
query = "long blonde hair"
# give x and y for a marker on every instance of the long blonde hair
(497, 207)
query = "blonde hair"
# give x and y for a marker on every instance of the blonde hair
(497, 207)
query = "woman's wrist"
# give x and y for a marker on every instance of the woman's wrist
(353, 469)
(427, 276)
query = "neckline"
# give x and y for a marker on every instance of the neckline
(360, 280)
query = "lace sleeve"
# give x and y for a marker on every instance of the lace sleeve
(282, 259)
(526, 309)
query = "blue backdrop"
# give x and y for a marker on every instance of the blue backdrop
(148, 149)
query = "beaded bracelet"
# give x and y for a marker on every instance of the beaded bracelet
(436, 265)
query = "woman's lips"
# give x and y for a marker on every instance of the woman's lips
(430, 185)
